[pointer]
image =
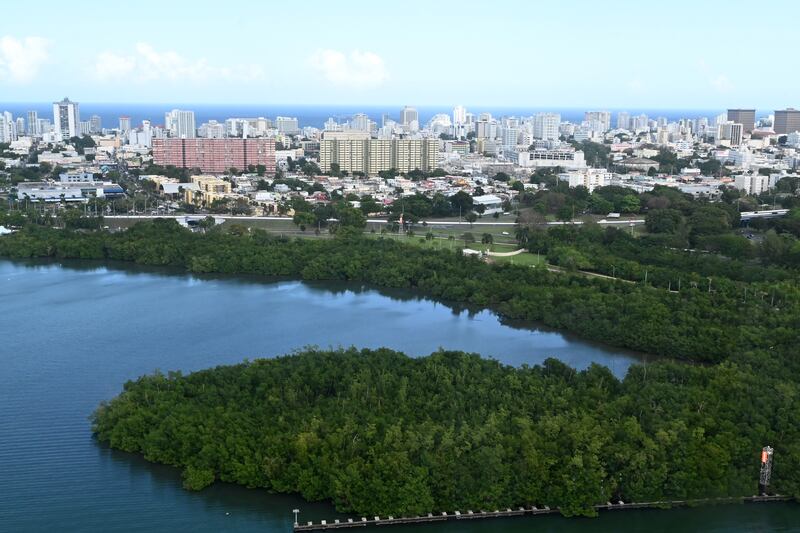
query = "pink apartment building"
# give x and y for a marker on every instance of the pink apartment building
(215, 155)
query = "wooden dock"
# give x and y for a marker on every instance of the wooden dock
(520, 511)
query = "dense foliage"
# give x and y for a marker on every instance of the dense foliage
(728, 257)
(381, 433)
(694, 324)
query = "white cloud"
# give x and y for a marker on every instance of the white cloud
(721, 83)
(357, 70)
(147, 64)
(21, 59)
(636, 85)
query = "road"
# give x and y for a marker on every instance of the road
(621, 222)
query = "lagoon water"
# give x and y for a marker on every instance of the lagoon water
(72, 334)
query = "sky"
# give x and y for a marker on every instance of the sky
(673, 54)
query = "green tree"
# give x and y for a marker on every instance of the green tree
(461, 202)
(303, 219)
(471, 217)
(351, 217)
(709, 220)
(630, 204)
(664, 221)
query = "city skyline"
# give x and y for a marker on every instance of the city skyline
(545, 55)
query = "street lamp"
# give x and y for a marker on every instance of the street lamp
(296, 512)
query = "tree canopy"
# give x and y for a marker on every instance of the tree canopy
(381, 433)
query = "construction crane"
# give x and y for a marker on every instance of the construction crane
(766, 470)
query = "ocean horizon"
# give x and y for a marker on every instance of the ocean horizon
(315, 115)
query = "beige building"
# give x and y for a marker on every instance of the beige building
(357, 152)
(209, 189)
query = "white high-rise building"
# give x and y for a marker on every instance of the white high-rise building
(753, 183)
(332, 125)
(44, 126)
(485, 129)
(33, 124)
(7, 127)
(510, 137)
(409, 118)
(124, 124)
(180, 124)
(12, 126)
(360, 122)
(545, 126)
(591, 178)
(213, 130)
(641, 123)
(20, 127)
(459, 115)
(67, 118)
(732, 131)
(287, 125)
(96, 124)
(143, 136)
(623, 120)
(600, 120)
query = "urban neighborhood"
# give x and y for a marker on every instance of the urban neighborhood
(264, 166)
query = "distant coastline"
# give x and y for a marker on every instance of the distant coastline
(316, 115)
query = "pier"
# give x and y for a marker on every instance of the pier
(522, 511)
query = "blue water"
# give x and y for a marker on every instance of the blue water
(315, 115)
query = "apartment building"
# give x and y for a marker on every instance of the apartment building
(215, 155)
(209, 189)
(552, 158)
(357, 152)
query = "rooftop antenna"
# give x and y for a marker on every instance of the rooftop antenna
(766, 470)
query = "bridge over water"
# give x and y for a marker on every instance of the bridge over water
(522, 511)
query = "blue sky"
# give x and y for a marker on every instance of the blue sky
(614, 54)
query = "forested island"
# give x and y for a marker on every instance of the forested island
(378, 432)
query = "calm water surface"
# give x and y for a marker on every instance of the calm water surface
(71, 335)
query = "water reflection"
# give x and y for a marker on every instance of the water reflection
(335, 289)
